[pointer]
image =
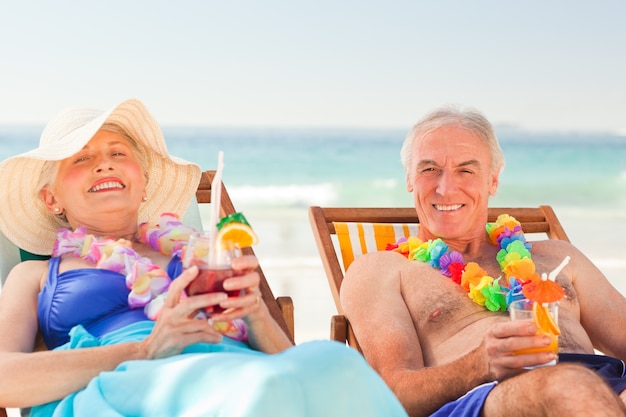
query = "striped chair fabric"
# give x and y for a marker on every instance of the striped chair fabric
(356, 239)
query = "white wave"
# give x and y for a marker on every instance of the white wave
(291, 262)
(285, 195)
(388, 183)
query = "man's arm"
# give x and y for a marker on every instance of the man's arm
(602, 307)
(372, 300)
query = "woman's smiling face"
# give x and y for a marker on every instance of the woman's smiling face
(103, 178)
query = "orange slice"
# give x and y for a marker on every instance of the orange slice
(544, 321)
(236, 235)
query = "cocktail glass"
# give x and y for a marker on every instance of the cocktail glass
(545, 318)
(214, 266)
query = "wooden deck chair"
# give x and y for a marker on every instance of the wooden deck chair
(352, 231)
(281, 308)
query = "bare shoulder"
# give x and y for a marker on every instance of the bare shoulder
(373, 262)
(550, 253)
(369, 272)
(551, 245)
(30, 268)
(27, 274)
(372, 280)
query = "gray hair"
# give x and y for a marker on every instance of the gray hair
(470, 120)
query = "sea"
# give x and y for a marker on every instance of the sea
(274, 175)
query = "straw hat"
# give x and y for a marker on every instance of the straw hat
(25, 220)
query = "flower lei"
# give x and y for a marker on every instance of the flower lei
(514, 258)
(147, 282)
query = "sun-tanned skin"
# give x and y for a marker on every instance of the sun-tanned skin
(432, 344)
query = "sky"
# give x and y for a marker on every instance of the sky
(539, 65)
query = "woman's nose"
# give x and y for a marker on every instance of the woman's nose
(103, 163)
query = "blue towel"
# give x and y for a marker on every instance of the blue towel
(319, 378)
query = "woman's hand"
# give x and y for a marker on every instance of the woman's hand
(264, 334)
(506, 337)
(249, 300)
(176, 326)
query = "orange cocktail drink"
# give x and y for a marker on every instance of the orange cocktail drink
(545, 318)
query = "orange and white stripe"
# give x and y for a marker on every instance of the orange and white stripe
(356, 239)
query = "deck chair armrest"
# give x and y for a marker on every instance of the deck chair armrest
(341, 331)
(339, 328)
(286, 308)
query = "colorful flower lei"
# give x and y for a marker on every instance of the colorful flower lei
(521, 281)
(147, 282)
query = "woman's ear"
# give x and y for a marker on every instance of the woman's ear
(50, 201)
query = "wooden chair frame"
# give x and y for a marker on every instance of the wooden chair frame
(534, 220)
(281, 308)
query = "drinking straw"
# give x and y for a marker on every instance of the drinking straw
(553, 274)
(216, 197)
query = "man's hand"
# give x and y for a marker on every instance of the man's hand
(507, 337)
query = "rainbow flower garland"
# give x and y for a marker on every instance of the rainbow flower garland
(147, 282)
(514, 258)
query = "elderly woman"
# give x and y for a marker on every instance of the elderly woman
(100, 175)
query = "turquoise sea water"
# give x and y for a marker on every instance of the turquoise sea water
(302, 167)
(350, 167)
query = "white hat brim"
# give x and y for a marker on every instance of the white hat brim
(25, 220)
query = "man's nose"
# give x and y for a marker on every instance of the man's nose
(445, 184)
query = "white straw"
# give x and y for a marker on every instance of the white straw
(553, 274)
(216, 197)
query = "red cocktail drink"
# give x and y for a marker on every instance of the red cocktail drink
(212, 280)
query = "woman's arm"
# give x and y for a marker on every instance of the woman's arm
(40, 377)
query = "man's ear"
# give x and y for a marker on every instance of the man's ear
(409, 184)
(494, 181)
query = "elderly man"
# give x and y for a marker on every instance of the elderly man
(444, 354)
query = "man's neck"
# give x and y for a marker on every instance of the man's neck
(471, 248)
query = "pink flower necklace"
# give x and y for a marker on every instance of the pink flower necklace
(147, 282)
(513, 257)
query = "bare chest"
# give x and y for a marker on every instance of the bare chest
(449, 324)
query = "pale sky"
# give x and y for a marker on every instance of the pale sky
(539, 64)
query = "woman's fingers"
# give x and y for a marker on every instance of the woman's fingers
(176, 290)
(245, 263)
